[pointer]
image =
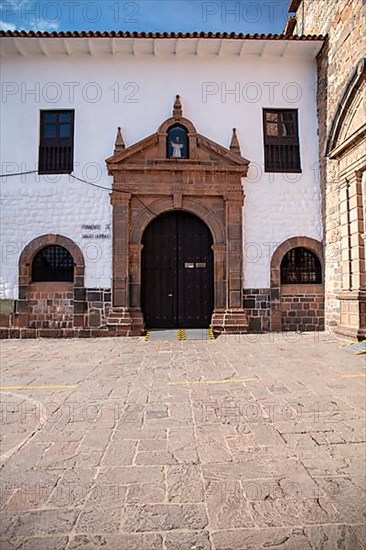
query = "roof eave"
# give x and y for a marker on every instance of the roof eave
(164, 35)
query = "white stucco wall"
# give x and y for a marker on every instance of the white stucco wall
(277, 206)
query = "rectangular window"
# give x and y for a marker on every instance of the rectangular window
(56, 148)
(281, 140)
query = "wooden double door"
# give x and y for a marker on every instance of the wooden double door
(177, 272)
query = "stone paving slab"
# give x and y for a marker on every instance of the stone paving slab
(244, 442)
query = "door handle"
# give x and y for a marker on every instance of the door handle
(170, 295)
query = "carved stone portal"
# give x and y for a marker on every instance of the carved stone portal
(148, 181)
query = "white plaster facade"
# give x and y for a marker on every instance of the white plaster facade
(137, 80)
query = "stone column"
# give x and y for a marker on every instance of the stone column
(135, 289)
(219, 251)
(357, 230)
(353, 295)
(362, 177)
(345, 235)
(234, 229)
(233, 319)
(119, 318)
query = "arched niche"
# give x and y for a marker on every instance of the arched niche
(51, 304)
(298, 306)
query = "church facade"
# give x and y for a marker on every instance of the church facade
(160, 181)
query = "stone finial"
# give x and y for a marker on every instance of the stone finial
(119, 144)
(234, 144)
(177, 109)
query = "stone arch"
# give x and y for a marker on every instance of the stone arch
(294, 242)
(293, 292)
(36, 245)
(163, 128)
(56, 305)
(162, 206)
(350, 103)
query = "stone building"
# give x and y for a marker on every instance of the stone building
(341, 100)
(213, 215)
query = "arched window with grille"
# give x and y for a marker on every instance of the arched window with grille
(53, 264)
(301, 266)
(177, 142)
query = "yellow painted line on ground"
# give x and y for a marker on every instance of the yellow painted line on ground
(231, 381)
(358, 375)
(65, 387)
(211, 334)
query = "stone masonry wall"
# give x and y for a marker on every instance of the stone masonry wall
(258, 308)
(344, 21)
(99, 302)
(51, 305)
(302, 309)
(91, 307)
(60, 306)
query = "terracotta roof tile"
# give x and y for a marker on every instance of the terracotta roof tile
(121, 34)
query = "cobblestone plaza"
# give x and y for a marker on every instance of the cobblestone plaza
(244, 442)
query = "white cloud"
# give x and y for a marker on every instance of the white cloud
(6, 26)
(43, 26)
(27, 14)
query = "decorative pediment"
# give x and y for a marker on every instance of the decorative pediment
(177, 145)
(348, 126)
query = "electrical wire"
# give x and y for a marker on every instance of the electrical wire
(114, 191)
(18, 174)
(88, 183)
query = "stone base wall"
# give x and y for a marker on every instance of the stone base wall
(258, 308)
(62, 310)
(61, 306)
(353, 314)
(99, 304)
(50, 305)
(302, 309)
(28, 333)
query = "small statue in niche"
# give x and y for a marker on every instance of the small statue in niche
(177, 142)
(177, 148)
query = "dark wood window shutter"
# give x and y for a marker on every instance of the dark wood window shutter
(56, 149)
(281, 140)
(300, 266)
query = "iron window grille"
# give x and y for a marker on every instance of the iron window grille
(281, 140)
(53, 264)
(56, 149)
(300, 266)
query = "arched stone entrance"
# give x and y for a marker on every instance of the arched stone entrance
(297, 305)
(346, 233)
(51, 302)
(177, 287)
(149, 179)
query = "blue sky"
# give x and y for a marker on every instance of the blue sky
(248, 16)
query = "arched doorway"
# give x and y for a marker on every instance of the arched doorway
(177, 272)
